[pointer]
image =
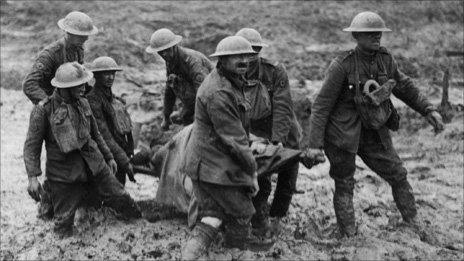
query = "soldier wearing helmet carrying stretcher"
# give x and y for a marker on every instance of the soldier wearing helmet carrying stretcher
(185, 71)
(220, 163)
(272, 117)
(351, 118)
(77, 156)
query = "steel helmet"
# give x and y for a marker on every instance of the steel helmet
(70, 75)
(367, 22)
(78, 23)
(233, 45)
(252, 36)
(162, 39)
(104, 63)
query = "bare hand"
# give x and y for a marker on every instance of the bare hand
(255, 188)
(130, 172)
(113, 166)
(258, 147)
(435, 119)
(34, 189)
(312, 157)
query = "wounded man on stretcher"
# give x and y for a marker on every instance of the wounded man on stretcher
(175, 187)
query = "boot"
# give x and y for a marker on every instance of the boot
(240, 236)
(275, 226)
(199, 241)
(260, 220)
(404, 199)
(344, 211)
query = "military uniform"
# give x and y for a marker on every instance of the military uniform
(114, 124)
(76, 154)
(336, 126)
(220, 162)
(185, 73)
(273, 118)
(37, 85)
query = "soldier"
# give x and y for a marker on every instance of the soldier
(76, 152)
(78, 26)
(273, 118)
(112, 117)
(220, 162)
(344, 123)
(185, 71)
(36, 85)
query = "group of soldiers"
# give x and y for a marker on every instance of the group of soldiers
(89, 143)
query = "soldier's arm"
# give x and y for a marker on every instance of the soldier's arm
(282, 106)
(227, 124)
(33, 83)
(324, 103)
(118, 153)
(408, 93)
(97, 137)
(169, 101)
(197, 72)
(34, 139)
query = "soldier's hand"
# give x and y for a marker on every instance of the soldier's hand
(165, 124)
(113, 166)
(130, 172)
(435, 119)
(255, 187)
(34, 189)
(257, 147)
(312, 157)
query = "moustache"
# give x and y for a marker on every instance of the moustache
(242, 65)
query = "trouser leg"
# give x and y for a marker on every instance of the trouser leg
(286, 182)
(260, 218)
(45, 209)
(121, 176)
(380, 156)
(114, 195)
(66, 198)
(342, 168)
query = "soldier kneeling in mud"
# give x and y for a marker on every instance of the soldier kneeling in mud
(113, 120)
(76, 152)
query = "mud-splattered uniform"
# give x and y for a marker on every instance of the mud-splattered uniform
(185, 73)
(76, 154)
(273, 118)
(335, 125)
(36, 84)
(114, 124)
(220, 162)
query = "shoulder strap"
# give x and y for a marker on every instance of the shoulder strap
(356, 73)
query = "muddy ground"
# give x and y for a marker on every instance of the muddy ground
(435, 162)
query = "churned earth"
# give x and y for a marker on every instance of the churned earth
(435, 162)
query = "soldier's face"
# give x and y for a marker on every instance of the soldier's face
(105, 78)
(369, 41)
(237, 64)
(76, 40)
(167, 54)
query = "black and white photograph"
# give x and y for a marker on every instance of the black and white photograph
(232, 130)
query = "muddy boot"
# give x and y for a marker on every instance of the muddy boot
(239, 236)
(404, 199)
(260, 220)
(275, 226)
(344, 210)
(199, 241)
(45, 209)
